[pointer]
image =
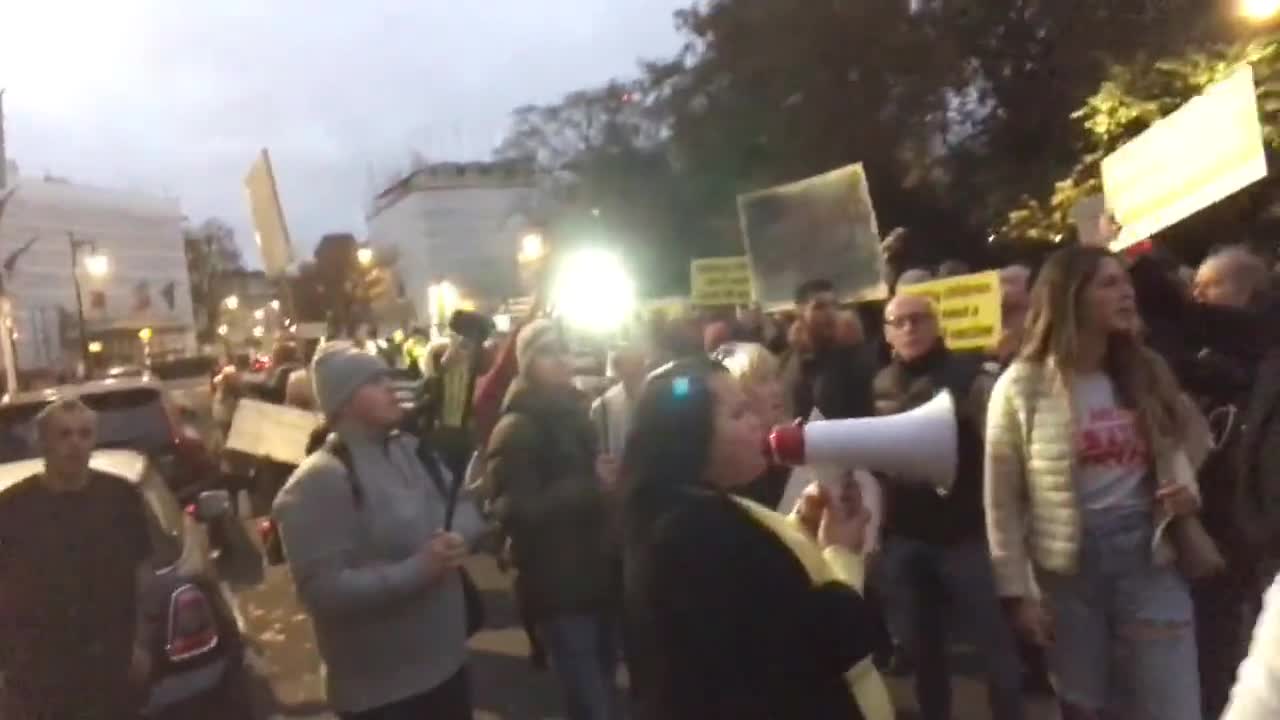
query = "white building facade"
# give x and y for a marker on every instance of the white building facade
(457, 222)
(146, 284)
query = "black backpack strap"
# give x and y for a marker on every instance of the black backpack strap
(339, 450)
(449, 493)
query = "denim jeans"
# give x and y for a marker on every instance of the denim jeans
(927, 585)
(583, 652)
(1124, 641)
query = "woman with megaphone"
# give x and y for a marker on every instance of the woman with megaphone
(1090, 482)
(732, 610)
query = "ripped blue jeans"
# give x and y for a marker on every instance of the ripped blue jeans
(1124, 641)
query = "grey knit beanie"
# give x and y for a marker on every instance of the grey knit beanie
(339, 370)
(536, 337)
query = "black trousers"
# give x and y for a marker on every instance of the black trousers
(1223, 606)
(450, 701)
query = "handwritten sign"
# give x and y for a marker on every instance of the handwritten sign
(821, 227)
(721, 281)
(274, 432)
(968, 308)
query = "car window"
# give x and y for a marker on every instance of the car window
(183, 368)
(164, 518)
(135, 419)
(18, 432)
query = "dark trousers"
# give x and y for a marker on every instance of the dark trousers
(929, 583)
(450, 701)
(1222, 605)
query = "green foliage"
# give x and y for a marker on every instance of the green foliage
(1131, 99)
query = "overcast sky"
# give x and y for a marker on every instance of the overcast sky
(176, 96)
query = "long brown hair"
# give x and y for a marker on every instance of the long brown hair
(1143, 381)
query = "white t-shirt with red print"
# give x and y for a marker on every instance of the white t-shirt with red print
(1112, 460)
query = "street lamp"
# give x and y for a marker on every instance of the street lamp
(532, 248)
(275, 305)
(97, 265)
(259, 314)
(223, 329)
(364, 256)
(1259, 11)
(232, 302)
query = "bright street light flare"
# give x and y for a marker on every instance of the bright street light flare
(1259, 10)
(532, 248)
(223, 330)
(232, 302)
(275, 304)
(95, 347)
(364, 256)
(259, 331)
(594, 291)
(97, 265)
(259, 313)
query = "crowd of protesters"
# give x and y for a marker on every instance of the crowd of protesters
(1112, 526)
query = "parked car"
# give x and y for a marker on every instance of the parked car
(137, 414)
(198, 656)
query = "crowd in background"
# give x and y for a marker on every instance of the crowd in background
(1107, 534)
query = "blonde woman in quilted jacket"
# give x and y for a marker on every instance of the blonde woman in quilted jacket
(1089, 457)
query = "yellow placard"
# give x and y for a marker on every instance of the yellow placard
(1204, 151)
(721, 281)
(968, 308)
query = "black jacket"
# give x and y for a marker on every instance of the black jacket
(1257, 461)
(1217, 354)
(541, 467)
(724, 623)
(920, 513)
(837, 381)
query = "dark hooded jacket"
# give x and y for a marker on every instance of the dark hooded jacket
(541, 467)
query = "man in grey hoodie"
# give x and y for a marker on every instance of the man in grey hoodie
(363, 528)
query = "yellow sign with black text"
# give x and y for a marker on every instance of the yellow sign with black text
(721, 281)
(968, 308)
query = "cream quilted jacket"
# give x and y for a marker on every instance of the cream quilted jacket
(1032, 514)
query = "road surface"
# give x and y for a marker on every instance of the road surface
(505, 686)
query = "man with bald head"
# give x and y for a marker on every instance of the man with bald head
(935, 551)
(1232, 277)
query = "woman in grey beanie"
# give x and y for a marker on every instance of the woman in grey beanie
(363, 527)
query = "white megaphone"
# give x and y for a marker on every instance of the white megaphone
(917, 446)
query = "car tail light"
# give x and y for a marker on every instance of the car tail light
(266, 529)
(192, 628)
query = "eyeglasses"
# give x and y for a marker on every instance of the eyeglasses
(902, 322)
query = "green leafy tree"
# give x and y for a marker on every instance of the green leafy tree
(1026, 65)
(211, 252)
(1130, 101)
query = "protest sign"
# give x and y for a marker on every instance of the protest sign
(968, 308)
(269, 229)
(1206, 150)
(720, 281)
(820, 228)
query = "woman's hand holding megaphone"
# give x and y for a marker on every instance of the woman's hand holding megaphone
(834, 519)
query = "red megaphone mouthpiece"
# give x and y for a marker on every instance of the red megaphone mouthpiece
(785, 445)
